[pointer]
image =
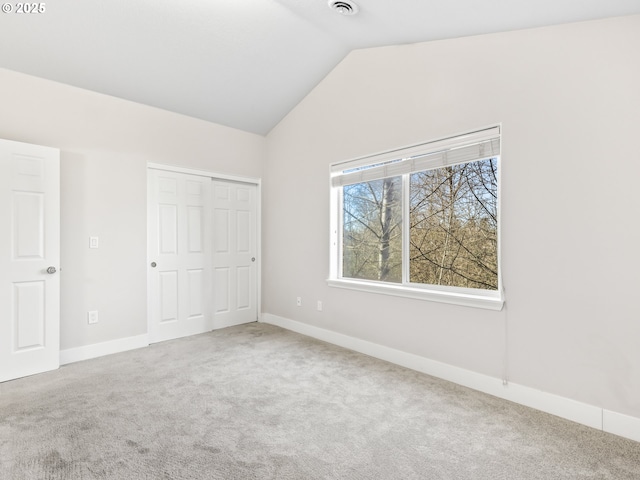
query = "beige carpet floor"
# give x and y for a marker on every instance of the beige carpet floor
(259, 402)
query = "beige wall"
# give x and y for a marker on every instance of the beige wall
(568, 98)
(105, 145)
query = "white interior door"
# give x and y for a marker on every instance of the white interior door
(29, 259)
(234, 253)
(179, 255)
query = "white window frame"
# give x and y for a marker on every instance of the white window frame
(470, 297)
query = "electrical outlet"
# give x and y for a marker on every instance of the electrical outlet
(299, 301)
(92, 317)
(93, 242)
(319, 305)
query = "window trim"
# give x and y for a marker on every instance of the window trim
(470, 297)
(485, 301)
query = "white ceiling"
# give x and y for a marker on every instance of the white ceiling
(244, 63)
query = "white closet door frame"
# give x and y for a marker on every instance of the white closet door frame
(232, 178)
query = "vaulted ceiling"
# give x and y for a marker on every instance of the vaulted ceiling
(244, 63)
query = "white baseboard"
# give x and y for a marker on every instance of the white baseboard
(622, 425)
(585, 414)
(78, 354)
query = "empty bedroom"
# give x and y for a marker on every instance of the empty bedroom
(320, 239)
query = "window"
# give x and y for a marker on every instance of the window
(372, 230)
(421, 222)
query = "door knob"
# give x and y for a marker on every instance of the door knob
(253, 259)
(154, 264)
(51, 270)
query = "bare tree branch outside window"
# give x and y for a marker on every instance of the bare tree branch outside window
(372, 230)
(453, 227)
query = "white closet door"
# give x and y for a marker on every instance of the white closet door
(234, 253)
(179, 255)
(29, 259)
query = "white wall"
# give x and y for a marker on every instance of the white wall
(105, 145)
(569, 101)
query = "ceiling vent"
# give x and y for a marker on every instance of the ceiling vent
(343, 7)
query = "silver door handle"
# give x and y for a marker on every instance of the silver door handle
(51, 270)
(253, 259)
(154, 264)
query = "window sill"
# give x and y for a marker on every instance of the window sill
(486, 300)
